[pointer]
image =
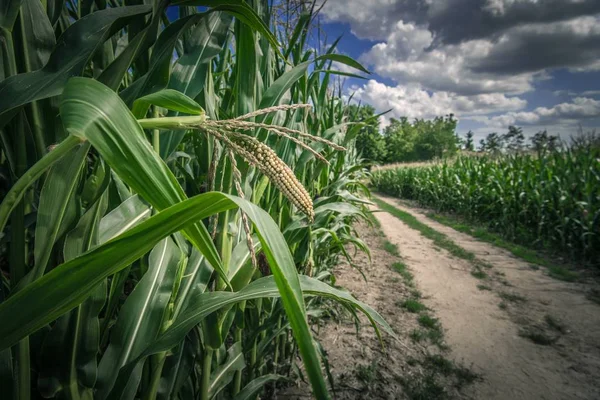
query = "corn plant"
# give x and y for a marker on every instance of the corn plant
(175, 193)
(549, 200)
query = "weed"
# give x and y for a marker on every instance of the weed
(413, 306)
(503, 305)
(367, 373)
(555, 324)
(512, 297)
(429, 322)
(537, 336)
(402, 269)
(479, 274)
(483, 287)
(391, 248)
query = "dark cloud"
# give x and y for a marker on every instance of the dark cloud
(530, 50)
(455, 21)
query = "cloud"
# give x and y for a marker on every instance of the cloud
(532, 48)
(405, 57)
(453, 21)
(414, 102)
(581, 108)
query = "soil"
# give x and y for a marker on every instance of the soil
(523, 334)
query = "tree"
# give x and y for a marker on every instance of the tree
(369, 141)
(542, 142)
(492, 143)
(468, 143)
(514, 140)
(421, 140)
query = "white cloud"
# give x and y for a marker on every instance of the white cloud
(406, 57)
(412, 101)
(581, 108)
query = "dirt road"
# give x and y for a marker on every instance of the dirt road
(487, 336)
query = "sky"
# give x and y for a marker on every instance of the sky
(492, 63)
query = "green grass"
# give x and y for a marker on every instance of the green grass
(446, 367)
(402, 269)
(529, 255)
(429, 322)
(503, 305)
(512, 297)
(438, 238)
(413, 306)
(391, 248)
(483, 287)
(478, 273)
(424, 388)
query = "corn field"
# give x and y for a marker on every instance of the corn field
(550, 200)
(175, 193)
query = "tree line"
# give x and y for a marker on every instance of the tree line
(422, 140)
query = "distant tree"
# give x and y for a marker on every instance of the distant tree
(492, 143)
(468, 142)
(513, 140)
(542, 142)
(369, 141)
(421, 139)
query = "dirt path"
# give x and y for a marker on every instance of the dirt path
(485, 336)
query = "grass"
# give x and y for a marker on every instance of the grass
(413, 306)
(446, 367)
(478, 273)
(529, 255)
(483, 287)
(424, 388)
(391, 248)
(512, 297)
(537, 336)
(402, 269)
(439, 239)
(367, 373)
(429, 322)
(555, 324)
(503, 305)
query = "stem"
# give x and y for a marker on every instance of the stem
(155, 132)
(158, 362)
(18, 267)
(171, 122)
(237, 379)
(206, 364)
(16, 192)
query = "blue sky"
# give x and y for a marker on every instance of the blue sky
(493, 63)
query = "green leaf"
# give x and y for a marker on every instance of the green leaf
(76, 45)
(9, 9)
(242, 11)
(122, 143)
(141, 317)
(68, 358)
(251, 389)
(58, 189)
(205, 42)
(169, 99)
(225, 372)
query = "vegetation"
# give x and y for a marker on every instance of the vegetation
(167, 225)
(548, 200)
(402, 140)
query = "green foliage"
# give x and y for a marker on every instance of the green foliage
(142, 249)
(369, 141)
(420, 140)
(547, 201)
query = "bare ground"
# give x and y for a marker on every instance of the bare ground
(490, 331)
